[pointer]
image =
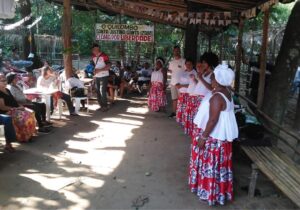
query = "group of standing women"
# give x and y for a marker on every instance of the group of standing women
(203, 106)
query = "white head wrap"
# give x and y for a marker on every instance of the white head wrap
(224, 75)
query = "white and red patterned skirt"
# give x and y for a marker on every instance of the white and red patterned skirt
(210, 170)
(188, 116)
(181, 105)
(157, 96)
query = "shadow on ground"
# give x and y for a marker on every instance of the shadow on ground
(105, 161)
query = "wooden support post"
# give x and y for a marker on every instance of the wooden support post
(253, 180)
(209, 43)
(191, 37)
(67, 36)
(263, 60)
(153, 44)
(248, 78)
(238, 58)
(222, 47)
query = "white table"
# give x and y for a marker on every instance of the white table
(46, 94)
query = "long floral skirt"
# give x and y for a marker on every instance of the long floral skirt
(210, 171)
(193, 103)
(24, 123)
(181, 105)
(157, 96)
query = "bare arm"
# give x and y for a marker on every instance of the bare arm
(206, 84)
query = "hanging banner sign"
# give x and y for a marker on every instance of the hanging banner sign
(124, 32)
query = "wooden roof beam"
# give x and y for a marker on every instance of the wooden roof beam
(221, 5)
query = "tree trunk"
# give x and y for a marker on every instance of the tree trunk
(28, 40)
(67, 35)
(277, 91)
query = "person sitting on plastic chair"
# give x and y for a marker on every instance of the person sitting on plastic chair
(76, 88)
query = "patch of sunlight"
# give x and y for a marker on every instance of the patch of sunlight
(48, 175)
(80, 203)
(140, 110)
(50, 183)
(33, 201)
(92, 182)
(32, 171)
(86, 135)
(123, 121)
(93, 107)
(132, 116)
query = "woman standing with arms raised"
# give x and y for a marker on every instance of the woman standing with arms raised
(208, 61)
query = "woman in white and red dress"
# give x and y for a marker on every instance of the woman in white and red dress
(211, 174)
(197, 90)
(182, 87)
(157, 99)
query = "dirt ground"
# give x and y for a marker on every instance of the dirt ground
(109, 160)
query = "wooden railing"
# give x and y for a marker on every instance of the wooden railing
(277, 125)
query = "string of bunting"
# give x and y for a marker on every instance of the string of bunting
(251, 13)
(201, 18)
(218, 19)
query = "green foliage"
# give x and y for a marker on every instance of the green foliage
(279, 15)
(83, 23)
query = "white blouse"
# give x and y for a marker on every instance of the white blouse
(157, 76)
(226, 128)
(201, 89)
(185, 80)
(191, 87)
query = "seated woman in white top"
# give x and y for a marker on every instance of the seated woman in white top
(182, 87)
(157, 99)
(211, 164)
(48, 80)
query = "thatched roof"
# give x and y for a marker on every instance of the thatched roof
(178, 13)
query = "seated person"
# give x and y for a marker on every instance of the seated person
(38, 108)
(117, 68)
(114, 83)
(144, 76)
(126, 80)
(16, 61)
(9, 132)
(49, 80)
(23, 119)
(76, 88)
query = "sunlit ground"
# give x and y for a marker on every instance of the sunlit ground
(97, 153)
